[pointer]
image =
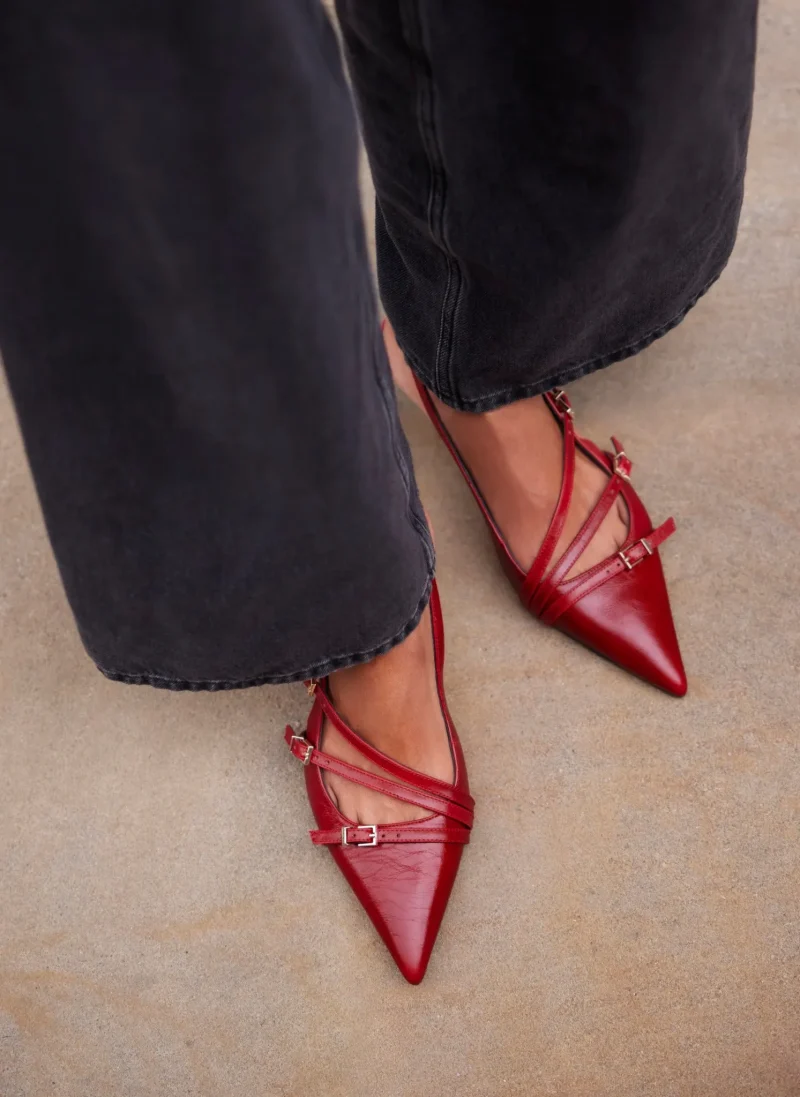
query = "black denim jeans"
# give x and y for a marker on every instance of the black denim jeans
(187, 316)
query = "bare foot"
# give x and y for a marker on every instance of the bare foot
(393, 703)
(515, 455)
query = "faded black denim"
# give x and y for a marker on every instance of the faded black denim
(187, 316)
(557, 183)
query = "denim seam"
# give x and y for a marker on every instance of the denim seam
(564, 375)
(437, 195)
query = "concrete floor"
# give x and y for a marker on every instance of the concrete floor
(626, 922)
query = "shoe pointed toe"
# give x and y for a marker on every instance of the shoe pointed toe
(624, 616)
(405, 890)
(629, 621)
(402, 873)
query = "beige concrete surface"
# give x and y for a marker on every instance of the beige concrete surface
(627, 921)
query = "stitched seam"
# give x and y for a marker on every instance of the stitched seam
(564, 376)
(426, 117)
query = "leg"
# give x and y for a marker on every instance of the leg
(190, 335)
(189, 332)
(556, 186)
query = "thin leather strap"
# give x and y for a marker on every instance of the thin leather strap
(541, 562)
(625, 560)
(444, 434)
(400, 772)
(437, 805)
(582, 538)
(385, 833)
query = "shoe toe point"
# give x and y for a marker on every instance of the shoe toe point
(412, 973)
(677, 684)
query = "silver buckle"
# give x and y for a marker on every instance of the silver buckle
(309, 748)
(631, 565)
(617, 470)
(561, 400)
(373, 838)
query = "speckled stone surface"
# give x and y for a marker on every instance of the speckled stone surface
(626, 921)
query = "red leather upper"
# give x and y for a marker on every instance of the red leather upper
(401, 873)
(620, 607)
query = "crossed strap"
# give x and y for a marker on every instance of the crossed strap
(542, 590)
(406, 784)
(545, 592)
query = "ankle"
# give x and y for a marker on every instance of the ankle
(393, 703)
(520, 444)
(390, 680)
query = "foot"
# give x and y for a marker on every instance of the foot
(515, 455)
(393, 703)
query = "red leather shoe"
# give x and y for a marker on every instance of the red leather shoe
(619, 608)
(402, 873)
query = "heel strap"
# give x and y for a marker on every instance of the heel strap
(308, 754)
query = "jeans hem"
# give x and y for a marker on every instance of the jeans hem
(316, 670)
(563, 376)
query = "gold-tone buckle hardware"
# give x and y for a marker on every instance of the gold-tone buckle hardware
(309, 748)
(373, 837)
(311, 686)
(617, 461)
(561, 400)
(630, 565)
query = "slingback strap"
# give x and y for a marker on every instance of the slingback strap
(464, 469)
(400, 772)
(386, 834)
(624, 560)
(308, 754)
